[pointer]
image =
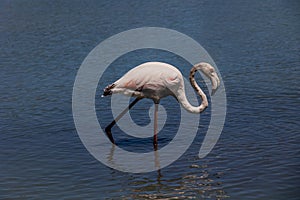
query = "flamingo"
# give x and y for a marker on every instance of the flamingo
(156, 80)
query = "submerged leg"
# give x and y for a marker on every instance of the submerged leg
(155, 127)
(108, 128)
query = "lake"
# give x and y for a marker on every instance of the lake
(255, 45)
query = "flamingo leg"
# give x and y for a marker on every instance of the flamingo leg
(155, 127)
(108, 128)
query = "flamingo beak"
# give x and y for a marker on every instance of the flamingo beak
(215, 82)
(213, 91)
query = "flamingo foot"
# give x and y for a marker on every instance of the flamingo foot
(109, 134)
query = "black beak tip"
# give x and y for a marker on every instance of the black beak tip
(213, 91)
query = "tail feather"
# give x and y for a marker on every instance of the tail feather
(107, 90)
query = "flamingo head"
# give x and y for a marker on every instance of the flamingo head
(210, 72)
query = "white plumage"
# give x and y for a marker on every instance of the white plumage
(156, 80)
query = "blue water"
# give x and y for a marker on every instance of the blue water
(256, 47)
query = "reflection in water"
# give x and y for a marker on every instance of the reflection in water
(110, 157)
(197, 183)
(190, 186)
(111, 161)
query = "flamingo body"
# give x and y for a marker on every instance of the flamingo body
(153, 80)
(156, 80)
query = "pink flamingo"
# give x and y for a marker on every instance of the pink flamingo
(156, 80)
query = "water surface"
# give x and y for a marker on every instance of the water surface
(256, 47)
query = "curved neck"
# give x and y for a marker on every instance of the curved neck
(182, 97)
